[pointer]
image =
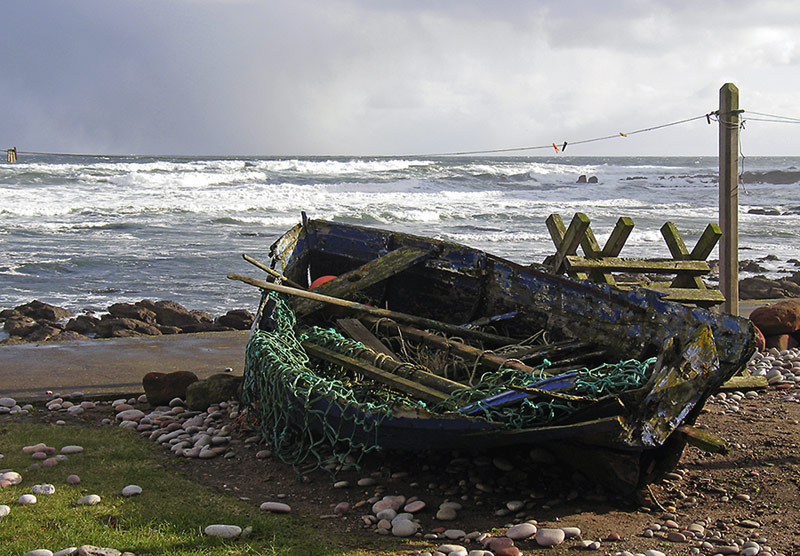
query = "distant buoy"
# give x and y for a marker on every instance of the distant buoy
(321, 280)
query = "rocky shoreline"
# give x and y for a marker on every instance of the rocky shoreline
(41, 322)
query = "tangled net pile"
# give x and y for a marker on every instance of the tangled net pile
(286, 395)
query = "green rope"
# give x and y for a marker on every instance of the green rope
(290, 397)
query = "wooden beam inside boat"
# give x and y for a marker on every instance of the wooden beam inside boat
(454, 329)
(468, 352)
(357, 331)
(345, 285)
(414, 389)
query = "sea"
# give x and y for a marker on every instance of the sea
(85, 232)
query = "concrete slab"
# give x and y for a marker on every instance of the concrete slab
(114, 366)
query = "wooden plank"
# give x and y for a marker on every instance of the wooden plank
(655, 266)
(557, 232)
(745, 383)
(679, 252)
(454, 329)
(468, 352)
(592, 250)
(703, 439)
(357, 331)
(366, 275)
(707, 242)
(618, 237)
(691, 295)
(412, 388)
(572, 238)
(271, 271)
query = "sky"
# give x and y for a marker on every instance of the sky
(373, 77)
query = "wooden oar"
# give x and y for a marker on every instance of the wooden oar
(272, 272)
(413, 319)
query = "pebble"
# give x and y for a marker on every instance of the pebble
(4, 510)
(549, 537)
(342, 508)
(275, 507)
(652, 552)
(446, 514)
(450, 548)
(39, 552)
(454, 534)
(66, 551)
(12, 477)
(223, 531)
(131, 490)
(89, 500)
(73, 479)
(43, 489)
(387, 513)
(749, 523)
(26, 500)
(71, 449)
(675, 536)
(7, 402)
(404, 528)
(414, 507)
(570, 532)
(521, 531)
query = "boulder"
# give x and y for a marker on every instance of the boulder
(6, 314)
(115, 327)
(202, 316)
(43, 311)
(760, 287)
(130, 311)
(204, 327)
(42, 332)
(216, 388)
(780, 318)
(238, 319)
(780, 342)
(21, 326)
(170, 313)
(68, 335)
(83, 324)
(160, 388)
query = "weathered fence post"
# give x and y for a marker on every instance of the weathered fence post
(729, 196)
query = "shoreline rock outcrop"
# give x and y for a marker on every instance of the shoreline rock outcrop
(41, 322)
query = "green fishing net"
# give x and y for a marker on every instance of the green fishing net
(315, 414)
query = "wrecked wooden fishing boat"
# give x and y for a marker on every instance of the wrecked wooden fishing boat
(412, 343)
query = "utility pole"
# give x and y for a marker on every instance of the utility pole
(729, 196)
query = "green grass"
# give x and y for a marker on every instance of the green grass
(167, 518)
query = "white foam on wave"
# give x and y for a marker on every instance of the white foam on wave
(335, 167)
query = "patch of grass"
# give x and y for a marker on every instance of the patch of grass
(166, 519)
